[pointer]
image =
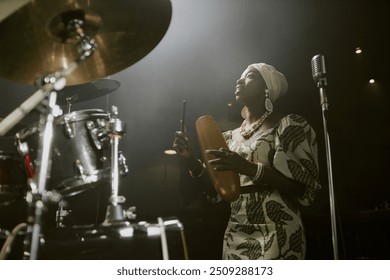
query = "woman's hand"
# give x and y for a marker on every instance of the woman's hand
(228, 160)
(183, 145)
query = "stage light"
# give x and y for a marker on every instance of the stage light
(358, 50)
(170, 152)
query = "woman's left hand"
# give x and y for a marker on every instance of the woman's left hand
(228, 160)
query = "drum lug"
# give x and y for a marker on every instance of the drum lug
(98, 133)
(61, 214)
(68, 128)
(123, 168)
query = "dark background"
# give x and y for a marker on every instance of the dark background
(207, 46)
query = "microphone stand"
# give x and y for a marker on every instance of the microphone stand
(321, 84)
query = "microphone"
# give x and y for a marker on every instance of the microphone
(319, 76)
(319, 70)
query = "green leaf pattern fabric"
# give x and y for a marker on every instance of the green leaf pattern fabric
(267, 224)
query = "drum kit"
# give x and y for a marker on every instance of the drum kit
(67, 48)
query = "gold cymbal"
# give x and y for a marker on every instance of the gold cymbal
(35, 39)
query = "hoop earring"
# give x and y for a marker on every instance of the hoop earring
(268, 103)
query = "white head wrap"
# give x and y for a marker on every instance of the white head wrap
(276, 82)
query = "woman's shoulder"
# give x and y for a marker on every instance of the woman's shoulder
(294, 126)
(293, 120)
(280, 121)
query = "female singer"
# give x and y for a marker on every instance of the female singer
(276, 158)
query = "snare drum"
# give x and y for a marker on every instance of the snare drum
(140, 241)
(13, 178)
(81, 156)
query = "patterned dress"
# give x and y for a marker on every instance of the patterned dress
(267, 224)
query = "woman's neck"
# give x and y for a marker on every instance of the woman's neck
(254, 113)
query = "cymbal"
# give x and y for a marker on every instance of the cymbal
(83, 92)
(35, 40)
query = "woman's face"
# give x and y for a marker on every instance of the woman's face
(250, 88)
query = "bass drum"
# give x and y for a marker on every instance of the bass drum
(81, 156)
(140, 241)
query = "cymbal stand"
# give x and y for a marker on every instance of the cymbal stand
(115, 214)
(38, 197)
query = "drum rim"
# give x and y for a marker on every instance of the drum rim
(69, 187)
(74, 116)
(81, 115)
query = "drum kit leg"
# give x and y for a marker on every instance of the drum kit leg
(65, 154)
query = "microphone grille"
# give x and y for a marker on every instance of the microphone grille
(318, 67)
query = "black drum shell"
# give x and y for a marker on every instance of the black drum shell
(70, 151)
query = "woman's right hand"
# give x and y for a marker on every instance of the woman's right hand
(183, 145)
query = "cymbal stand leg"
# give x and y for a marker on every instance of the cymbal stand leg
(115, 213)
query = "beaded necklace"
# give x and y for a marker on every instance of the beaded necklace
(248, 133)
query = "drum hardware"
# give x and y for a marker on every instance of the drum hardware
(38, 197)
(137, 33)
(116, 129)
(68, 129)
(69, 103)
(163, 239)
(61, 214)
(127, 30)
(130, 213)
(98, 132)
(123, 168)
(24, 152)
